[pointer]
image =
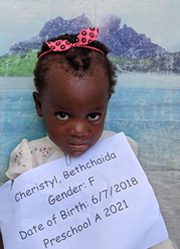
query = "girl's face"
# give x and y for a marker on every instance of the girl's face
(74, 108)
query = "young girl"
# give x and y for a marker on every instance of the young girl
(74, 80)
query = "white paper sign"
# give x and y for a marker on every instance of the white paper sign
(102, 200)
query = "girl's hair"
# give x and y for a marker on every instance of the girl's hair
(78, 59)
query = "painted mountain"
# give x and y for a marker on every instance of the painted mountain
(130, 50)
(124, 42)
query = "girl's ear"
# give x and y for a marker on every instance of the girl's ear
(38, 104)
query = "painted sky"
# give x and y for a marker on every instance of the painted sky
(158, 19)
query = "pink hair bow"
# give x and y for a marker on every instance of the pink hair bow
(85, 37)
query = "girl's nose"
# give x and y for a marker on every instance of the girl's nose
(79, 128)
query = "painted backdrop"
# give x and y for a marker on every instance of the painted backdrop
(144, 39)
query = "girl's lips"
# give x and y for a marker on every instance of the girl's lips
(78, 149)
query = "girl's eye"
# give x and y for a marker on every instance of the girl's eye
(62, 115)
(94, 116)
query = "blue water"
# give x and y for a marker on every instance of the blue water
(145, 106)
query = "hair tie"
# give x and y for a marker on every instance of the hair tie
(85, 37)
